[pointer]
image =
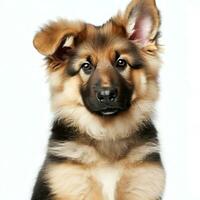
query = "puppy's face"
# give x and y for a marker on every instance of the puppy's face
(104, 62)
(96, 73)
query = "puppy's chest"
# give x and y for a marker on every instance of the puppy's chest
(107, 177)
(94, 175)
(76, 182)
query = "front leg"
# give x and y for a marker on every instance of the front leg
(144, 181)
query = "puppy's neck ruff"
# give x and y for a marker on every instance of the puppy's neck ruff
(67, 142)
(107, 128)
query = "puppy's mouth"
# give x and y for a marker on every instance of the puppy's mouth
(109, 111)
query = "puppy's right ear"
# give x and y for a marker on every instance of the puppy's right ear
(142, 22)
(57, 36)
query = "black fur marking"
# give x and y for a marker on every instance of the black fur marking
(154, 157)
(41, 190)
(62, 132)
(55, 159)
(99, 41)
(63, 53)
(147, 133)
(71, 69)
(138, 62)
(117, 55)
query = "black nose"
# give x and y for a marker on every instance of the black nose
(107, 95)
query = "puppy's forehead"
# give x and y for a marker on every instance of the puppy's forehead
(110, 28)
(105, 39)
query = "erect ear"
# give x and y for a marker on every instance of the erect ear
(142, 21)
(57, 36)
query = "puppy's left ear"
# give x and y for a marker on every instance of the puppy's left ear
(142, 22)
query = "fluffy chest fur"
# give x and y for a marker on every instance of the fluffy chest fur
(108, 176)
(85, 174)
(79, 168)
(79, 183)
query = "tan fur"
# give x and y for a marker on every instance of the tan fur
(76, 152)
(72, 182)
(139, 153)
(136, 183)
(104, 74)
(69, 96)
(125, 178)
(103, 150)
(140, 82)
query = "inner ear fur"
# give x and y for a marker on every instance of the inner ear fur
(51, 36)
(144, 8)
(141, 21)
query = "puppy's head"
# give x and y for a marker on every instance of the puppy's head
(103, 80)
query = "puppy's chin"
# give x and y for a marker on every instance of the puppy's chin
(110, 111)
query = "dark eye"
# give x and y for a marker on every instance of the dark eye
(121, 64)
(87, 68)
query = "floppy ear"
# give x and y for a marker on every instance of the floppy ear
(57, 36)
(142, 21)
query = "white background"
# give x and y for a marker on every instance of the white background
(24, 106)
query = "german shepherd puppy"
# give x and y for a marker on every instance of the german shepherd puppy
(104, 84)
